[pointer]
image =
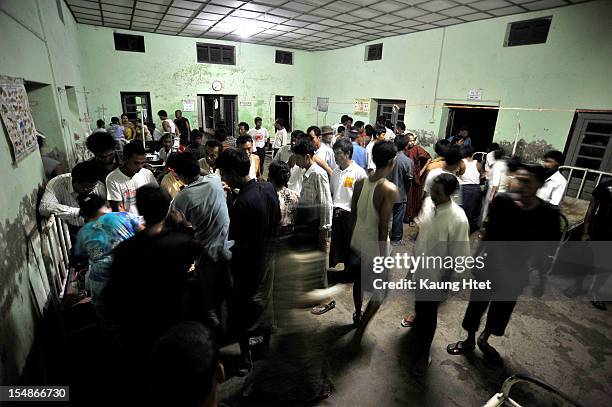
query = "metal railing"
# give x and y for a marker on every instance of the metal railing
(586, 172)
(56, 245)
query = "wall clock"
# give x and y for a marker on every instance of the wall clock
(217, 86)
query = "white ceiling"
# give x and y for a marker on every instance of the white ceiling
(302, 24)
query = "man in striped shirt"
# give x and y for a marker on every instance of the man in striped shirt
(62, 193)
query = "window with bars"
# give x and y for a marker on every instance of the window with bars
(528, 32)
(129, 42)
(373, 52)
(284, 57)
(216, 54)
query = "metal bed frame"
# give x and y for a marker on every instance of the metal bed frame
(503, 397)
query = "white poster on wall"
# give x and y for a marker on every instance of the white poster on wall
(361, 105)
(188, 105)
(475, 94)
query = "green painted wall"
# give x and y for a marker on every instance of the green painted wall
(46, 55)
(170, 72)
(572, 70)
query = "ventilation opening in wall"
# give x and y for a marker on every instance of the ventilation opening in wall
(373, 52)
(527, 32)
(129, 42)
(216, 54)
(284, 57)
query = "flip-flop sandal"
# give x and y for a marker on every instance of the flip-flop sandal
(322, 309)
(491, 355)
(407, 322)
(459, 348)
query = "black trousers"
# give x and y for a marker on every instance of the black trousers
(497, 317)
(261, 153)
(425, 324)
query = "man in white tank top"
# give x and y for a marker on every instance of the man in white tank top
(372, 208)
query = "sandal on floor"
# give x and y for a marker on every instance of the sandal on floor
(491, 355)
(407, 322)
(459, 348)
(322, 309)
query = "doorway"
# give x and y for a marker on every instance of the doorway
(479, 120)
(392, 110)
(215, 111)
(283, 109)
(137, 105)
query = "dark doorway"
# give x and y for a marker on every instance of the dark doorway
(283, 109)
(392, 110)
(136, 105)
(216, 111)
(479, 120)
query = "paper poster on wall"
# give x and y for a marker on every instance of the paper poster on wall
(475, 94)
(245, 103)
(17, 118)
(361, 105)
(188, 105)
(322, 104)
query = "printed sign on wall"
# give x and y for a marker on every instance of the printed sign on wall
(475, 94)
(17, 117)
(322, 104)
(361, 105)
(188, 105)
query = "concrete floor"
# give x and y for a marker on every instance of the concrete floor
(566, 344)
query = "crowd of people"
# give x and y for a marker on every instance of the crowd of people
(177, 226)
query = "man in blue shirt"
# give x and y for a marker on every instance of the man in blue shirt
(462, 138)
(359, 153)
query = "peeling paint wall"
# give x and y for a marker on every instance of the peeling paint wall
(46, 56)
(170, 72)
(572, 70)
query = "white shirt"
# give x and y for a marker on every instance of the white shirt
(259, 137)
(163, 155)
(431, 175)
(369, 161)
(170, 124)
(122, 188)
(281, 139)
(327, 154)
(296, 177)
(342, 184)
(156, 135)
(389, 134)
(60, 199)
(283, 154)
(471, 176)
(489, 161)
(553, 189)
(499, 176)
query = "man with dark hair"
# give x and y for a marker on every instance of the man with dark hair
(166, 149)
(254, 218)
(260, 138)
(148, 276)
(471, 194)
(361, 139)
(420, 158)
(102, 146)
(245, 143)
(324, 155)
(279, 174)
(281, 138)
(450, 165)
(116, 129)
(401, 177)
(185, 367)
(400, 129)
(122, 183)
(243, 129)
(377, 136)
(383, 122)
(183, 126)
(359, 153)
(342, 183)
(203, 207)
(554, 187)
(207, 163)
(314, 213)
(372, 210)
(196, 148)
(462, 138)
(100, 126)
(443, 232)
(440, 148)
(62, 193)
(521, 216)
(285, 152)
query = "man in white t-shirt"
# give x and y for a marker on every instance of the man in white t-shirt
(342, 183)
(282, 138)
(324, 155)
(389, 134)
(379, 135)
(554, 187)
(260, 137)
(122, 183)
